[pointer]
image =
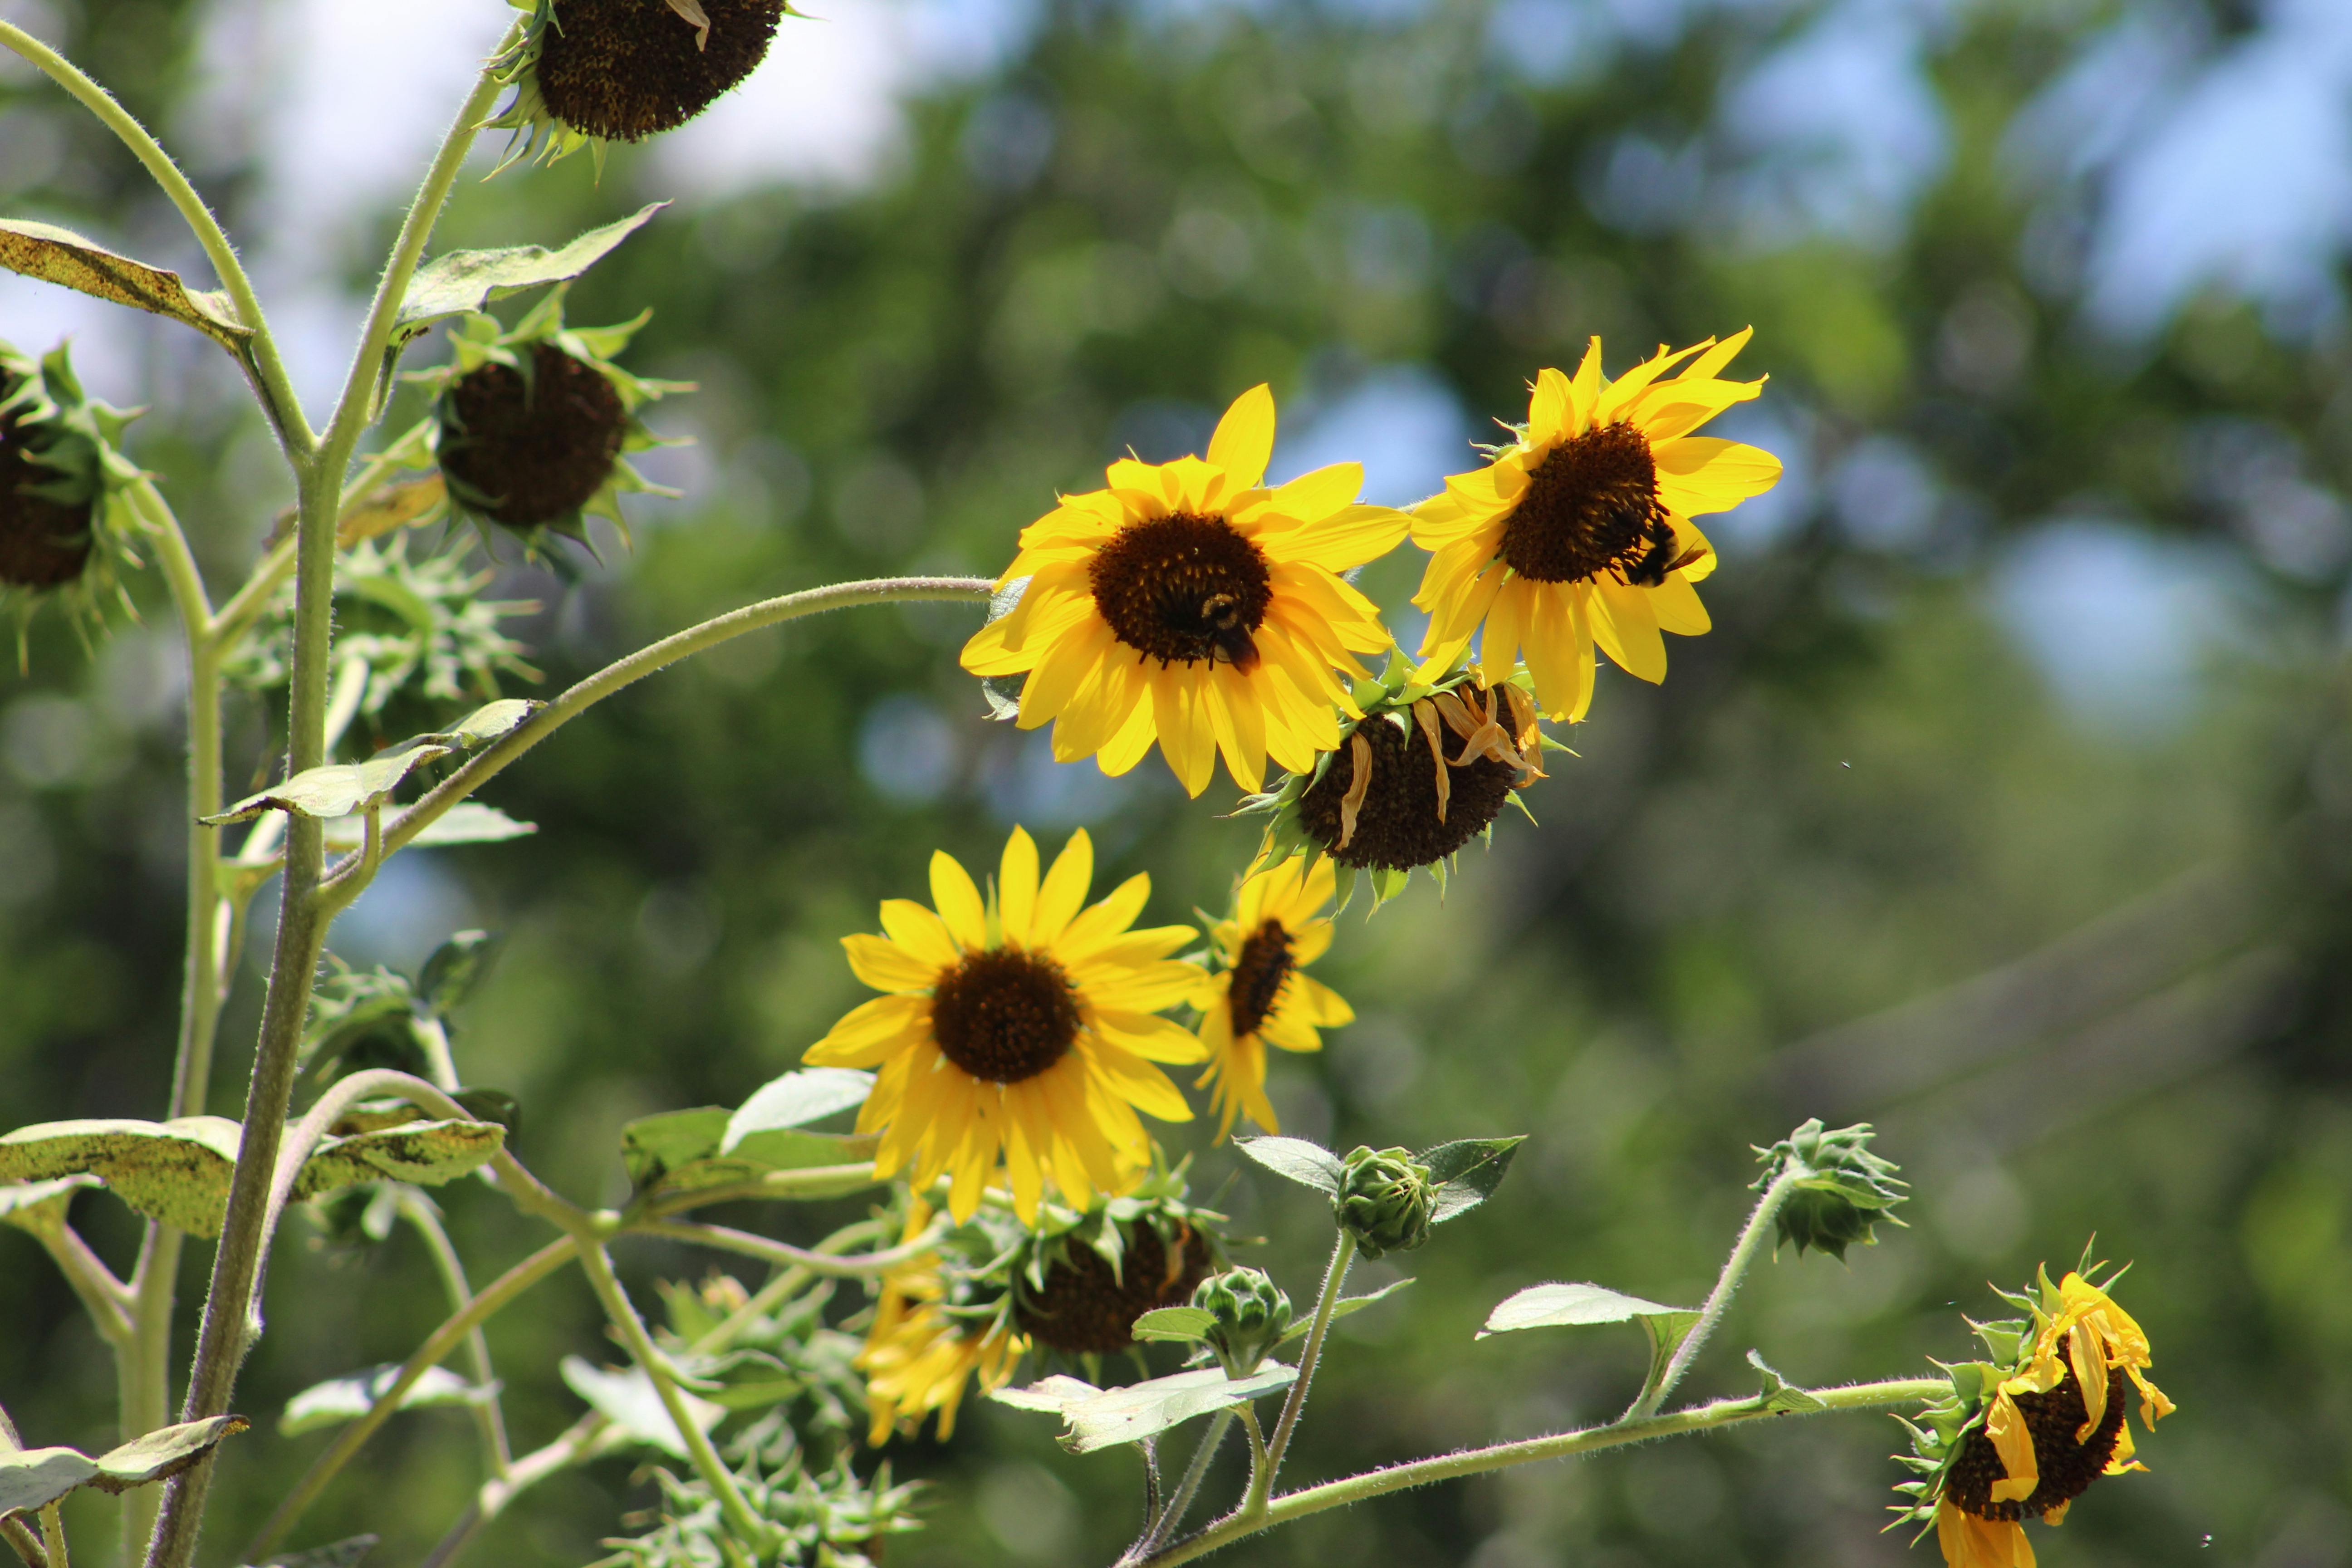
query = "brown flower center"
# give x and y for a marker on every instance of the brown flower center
(1005, 1014)
(1084, 1309)
(627, 69)
(1258, 973)
(1591, 507)
(1183, 589)
(529, 451)
(1397, 826)
(44, 544)
(2067, 1467)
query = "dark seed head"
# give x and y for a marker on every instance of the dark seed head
(1084, 1310)
(1004, 1014)
(1591, 506)
(2067, 1467)
(533, 450)
(627, 69)
(1258, 973)
(1396, 826)
(44, 544)
(1183, 589)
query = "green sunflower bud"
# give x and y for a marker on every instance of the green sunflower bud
(1251, 1311)
(1385, 1201)
(1840, 1189)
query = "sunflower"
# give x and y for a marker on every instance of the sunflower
(1580, 531)
(2024, 1436)
(67, 518)
(1187, 603)
(920, 1355)
(1261, 997)
(1020, 1025)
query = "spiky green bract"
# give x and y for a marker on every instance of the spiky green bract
(1841, 1189)
(1252, 1312)
(67, 523)
(1386, 1201)
(1389, 699)
(571, 462)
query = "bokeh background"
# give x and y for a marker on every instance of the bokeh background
(2009, 806)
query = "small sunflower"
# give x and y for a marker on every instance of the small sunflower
(1580, 532)
(1427, 767)
(1020, 1027)
(66, 517)
(925, 1346)
(532, 426)
(1188, 603)
(590, 72)
(1261, 995)
(2024, 1434)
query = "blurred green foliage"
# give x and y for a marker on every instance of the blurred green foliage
(1855, 859)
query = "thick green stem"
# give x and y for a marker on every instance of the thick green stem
(488, 763)
(747, 1526)
(1343, 1251)
(263, 367)
(1565, 1445)
(1727, 1285)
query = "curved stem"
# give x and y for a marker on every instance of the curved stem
(1560, 1445)
(438, 1346)
(268, 374)
(488, 763)
(808, 1184)
(1343, 1251)
(785, 1255)
(488, 1418)
(106, 1298)
(1171, 1517)
(1727, 1284)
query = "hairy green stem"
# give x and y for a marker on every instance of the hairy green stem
(488, 763)
(1727, 1284)
(1560, 1445)
(489, 1416)
(787, 1186)
(785, 1255)
(1179, 1502)
(106, 1298)
(53, 1537)
(438, 1346)
(23, 1541)
(747, 1526)
(1262, 1478)
(268, 375)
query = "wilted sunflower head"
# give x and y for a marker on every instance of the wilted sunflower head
(66, 518)
(588, 72)
(531, 425)
(1430, 766)
(2024, 1433)
(1081, 1279)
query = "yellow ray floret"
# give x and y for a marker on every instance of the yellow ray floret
(1189, 604)
(1018, 1028)
(918, 1358)
(1580, 533)
(1261, 996)
(1971, 1543)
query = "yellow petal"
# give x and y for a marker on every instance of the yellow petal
(885, 966)
(1623, 391)
(957, 898)
(1711, 364)
(1092, 928)
(1700, 474)
(1343, 540)
(1017, 886)
(868, 1032)
(2005, 1425)
(1138, 1082)
(1185, 737)
(923, 933)
(1063, 892)
(1676, 605)
(1244, 443)
(1312, 497)
(1623, 625)
(1551, 407)
(1134, 735)
(1585, 390)
(1152, 1038)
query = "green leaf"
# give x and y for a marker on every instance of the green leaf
(456, 966)
(1341, 1307)
(60, 256)
(35, 1478)
(1308, 1164)
(173, 1171)
(463, 281)
(1466, 1173)
(426, 1153)
(490, 722)
(338, 789)
(468, 822)
(1097, 1418)
(1180, 1325)
(678, 1152)
(162, 1453)
(796, 1099)
(1565, 1306)
(1779, 1396)
(628, 1399)
(341, 1399)
(40, 1206)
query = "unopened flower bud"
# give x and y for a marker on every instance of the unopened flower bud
(1385, 1201)
(1839, 1191)
(1251, 1311)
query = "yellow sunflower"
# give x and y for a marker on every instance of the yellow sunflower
(1020, 1025)
(1187, 603)
(919, 1357)
(1261, 997)
(1580, 532)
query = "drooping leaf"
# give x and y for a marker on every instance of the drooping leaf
(341, 1399)
(462, 281)
(628, 1399)
(426, 1153)
(487, 723)
(60, 256)
(40, 1206)
(468, 822)
(35, 1478)
(162, 1453)
(1557, 1306)
(1342, 1307)
(173, 1171)
(1308, 1164)
(1468, 1172)
(796, 1099)
(678, 1152)
(1179, 1325)
(1779, 1396)
(337, 789)
(1097, 1418)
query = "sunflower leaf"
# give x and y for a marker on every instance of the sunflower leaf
(796, 1099)
(1176, 1324)
(1308, 1164)
(1095, 1418)
(1568, 1306)
(1342, 1307)
(341, 1399)
(40, 1206)
(463, 281)
(628, 1400)
(62, 257)
(1467, 1171)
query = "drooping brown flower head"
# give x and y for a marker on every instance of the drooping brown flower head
(1086, 1308)
(1393, 799)
(44, 544)
(2066, 1466)
(532, 447)
(627, 69)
